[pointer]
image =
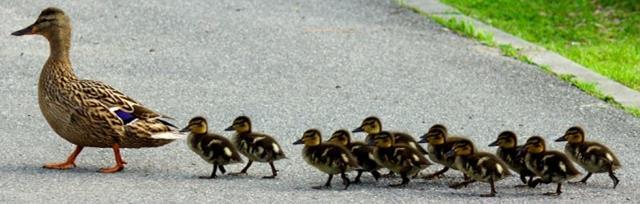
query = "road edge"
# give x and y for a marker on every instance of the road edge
(538, 55)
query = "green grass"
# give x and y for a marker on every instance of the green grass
(602, 35)
(510, 51)
(467, 29)
(592, 89)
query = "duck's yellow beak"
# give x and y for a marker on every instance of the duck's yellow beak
(26, 31)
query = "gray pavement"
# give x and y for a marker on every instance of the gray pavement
(290, 65)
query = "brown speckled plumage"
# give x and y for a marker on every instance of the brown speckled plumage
(89, 113)
(78, 110)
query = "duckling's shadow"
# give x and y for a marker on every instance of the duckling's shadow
(593, 185)
(230, 176)
(205, 177)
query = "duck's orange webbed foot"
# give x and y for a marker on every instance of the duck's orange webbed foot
(113, 169)
(69, 164)
(119, 166)
(61, 165)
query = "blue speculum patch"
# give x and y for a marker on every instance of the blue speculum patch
(125, 116)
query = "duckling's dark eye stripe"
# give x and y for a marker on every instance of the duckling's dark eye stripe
(42, 20)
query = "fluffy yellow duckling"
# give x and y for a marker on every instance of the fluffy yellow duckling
(399, 158)
(372, 126)
(592, 156)
(440, 142)
(327, 157)
(215, 149)
(361, 151)
(508, 150)
(255, 146)
(480, 166)
(549, 166)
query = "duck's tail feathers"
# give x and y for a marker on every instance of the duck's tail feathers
(168, 135)
(167, 123)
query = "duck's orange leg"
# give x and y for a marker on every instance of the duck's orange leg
(119, 162)
(70, 163)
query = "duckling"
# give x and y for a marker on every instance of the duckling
(440, 142)
(90, 113)
(255, 146)
(549, 166)
(327, 157)
(215, 149)
(480, 166)
(372, 126)
(592, 156)
(399, 158)
(508, 149)
(360, 150)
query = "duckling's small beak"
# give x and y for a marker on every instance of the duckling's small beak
(186, 129)
(26, 31)
(493, 144)
(423, 139)
(230, 128)
(298, 142)
(561, 139)
(450, 153)
(359, 129)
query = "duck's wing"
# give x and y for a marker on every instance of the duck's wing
(106, 94)
(103, 103)
(112, 98)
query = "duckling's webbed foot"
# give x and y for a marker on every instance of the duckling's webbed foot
(357, 179)
(326, 185)
(222, 170)
(213, 172)
(613, 177)
(376, 175)
(557, 193)
(493, 190)
(345, 180)
(274, 171)
(437, 174)
(244, 170)
(461, 184)
(526, 183)
(405, 181)
(523, 178)
(70, 163)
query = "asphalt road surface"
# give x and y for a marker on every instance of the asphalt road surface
(290, 66)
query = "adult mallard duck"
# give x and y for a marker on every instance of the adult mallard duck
(592, 156)
(89, 113)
